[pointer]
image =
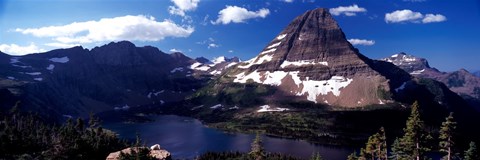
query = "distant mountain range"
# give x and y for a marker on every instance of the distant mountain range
(461, 82)
(76, 81)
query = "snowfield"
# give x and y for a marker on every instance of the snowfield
(311, 88)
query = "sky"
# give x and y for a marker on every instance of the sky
(445, 32)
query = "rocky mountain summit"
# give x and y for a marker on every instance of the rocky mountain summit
(461, 82)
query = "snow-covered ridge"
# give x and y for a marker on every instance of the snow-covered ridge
(311, 88)
(301, 63)
(60, 60)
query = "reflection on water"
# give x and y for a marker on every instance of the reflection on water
(186, 138)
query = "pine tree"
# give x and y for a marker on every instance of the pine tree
(412, 144)
(257, 152)
(472, 152)
(382, 148)
(446, 136)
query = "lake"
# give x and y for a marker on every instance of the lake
(186, 137)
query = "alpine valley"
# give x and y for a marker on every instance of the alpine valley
(307, 83)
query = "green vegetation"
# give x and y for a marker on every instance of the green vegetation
(447, 131)
(26, 136)
(415, 142)
(257, 153)
(472, 152)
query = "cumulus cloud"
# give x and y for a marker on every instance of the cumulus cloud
(182, 6)
(213, 45)
(17, 50)
(430, 18)
(347, 10)
(175, 50)
(132, 28)
(235, 14)
(406, 15)
(363, 42)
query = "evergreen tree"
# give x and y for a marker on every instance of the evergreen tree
(446, 136)
(382, 151)
(472, 152)
(257, 152)
(412, 144)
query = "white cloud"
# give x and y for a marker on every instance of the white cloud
(213, 45)
(175, 50)
(347, 10)
(406, 15)
(288, 1)
(235, 14)
(430, 18)
(61, 45)
(182, 6)
(361, 42)
(132, 28)
(17, 50)
(403, 16)
(230, 51)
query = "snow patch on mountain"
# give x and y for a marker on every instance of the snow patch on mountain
(268, 51)
(311, 88)
(34, 73)
(301, 63)
(60, 60)
(401, 87)
(178, 69)
(51, 67)
(418, 71)
(267, 108)
(282, 36)
(274, 45)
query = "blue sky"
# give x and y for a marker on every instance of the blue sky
(444, 32)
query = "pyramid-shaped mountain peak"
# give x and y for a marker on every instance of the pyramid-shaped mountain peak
(311, 39)
(312, 58)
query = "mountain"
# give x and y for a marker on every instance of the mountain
(311, 60)
(76, 81)
(461, 82)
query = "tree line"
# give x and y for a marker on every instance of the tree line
(415, 142)
(27, 136)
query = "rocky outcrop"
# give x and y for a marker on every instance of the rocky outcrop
(155, 152)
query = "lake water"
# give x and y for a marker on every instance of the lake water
(186, 137)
